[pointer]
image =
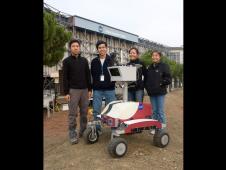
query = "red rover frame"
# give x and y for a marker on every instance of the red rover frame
(125, 118)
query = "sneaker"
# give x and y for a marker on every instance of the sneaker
(74, 140)
(80, 135)
(163, 125)
(99, 131)
(152, 131)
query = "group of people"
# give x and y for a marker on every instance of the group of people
(81, 82)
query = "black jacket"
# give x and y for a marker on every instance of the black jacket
(139, 84)
(157, 78)
(76, 74)
(96, 71)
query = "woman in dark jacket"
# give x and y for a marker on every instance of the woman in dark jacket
(156, 80)
(136, 89)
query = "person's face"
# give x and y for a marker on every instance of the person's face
(133, 54)
(155, 57)
(75, 48)
(102, 49)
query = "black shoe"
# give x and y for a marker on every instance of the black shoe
(80, 135)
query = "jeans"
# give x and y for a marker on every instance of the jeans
(98, 95)
(157, 103)
(136, 96)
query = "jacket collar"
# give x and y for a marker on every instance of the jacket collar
(107, 57)
(79, 56)
(154, 65)
(135, 61)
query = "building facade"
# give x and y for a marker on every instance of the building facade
(89, 32)
(176, 54)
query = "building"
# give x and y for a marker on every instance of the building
(88, 31)
(176, 54)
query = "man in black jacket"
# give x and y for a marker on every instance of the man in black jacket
(102, 85)
(77, 88)
(156, 80)
(136, 89)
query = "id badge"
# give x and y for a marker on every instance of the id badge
(102, 77)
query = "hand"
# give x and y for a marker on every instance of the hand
(89, 94)
(67, 97)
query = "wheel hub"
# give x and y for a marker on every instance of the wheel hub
(92, 137)
(120, 148)
(164, 139)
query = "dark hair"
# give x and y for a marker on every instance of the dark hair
(159, 53)
(100, 42)
(74, 41)
(134, 48)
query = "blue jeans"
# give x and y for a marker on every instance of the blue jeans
(157, 103)
(136, 96)
(98, 95)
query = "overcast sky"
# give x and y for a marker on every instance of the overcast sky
(157, 20)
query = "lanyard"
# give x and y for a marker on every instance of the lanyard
(102, 67)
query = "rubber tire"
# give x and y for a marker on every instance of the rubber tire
(112, 147)
(86, 135)
(157, 138)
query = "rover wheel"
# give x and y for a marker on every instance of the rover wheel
(90, 137)
(117, 147)
(161, 138)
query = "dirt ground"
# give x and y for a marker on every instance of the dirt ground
(59, 154)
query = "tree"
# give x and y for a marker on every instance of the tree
(55, 38)
(146, 58)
